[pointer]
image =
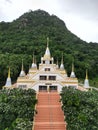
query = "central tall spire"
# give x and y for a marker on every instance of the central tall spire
(47, 59)
(47, 52)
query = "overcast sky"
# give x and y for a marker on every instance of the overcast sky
(80, 16)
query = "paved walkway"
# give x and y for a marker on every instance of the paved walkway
(50, 115)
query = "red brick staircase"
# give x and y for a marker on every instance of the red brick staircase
(50, 115)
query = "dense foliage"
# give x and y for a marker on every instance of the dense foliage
(80, 109)
(27, 34)
(17, 108)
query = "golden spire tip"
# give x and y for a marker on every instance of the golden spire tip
(9, 73)
(22, 65)
(86, 74)
(33, 57)
(47, 41)
(72, 67)
(62, 58)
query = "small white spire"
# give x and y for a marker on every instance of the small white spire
(86, 74)
(33, 63)
(86, 82)
(62, 65)
(22, 73)
(8, 81)
(72, 72)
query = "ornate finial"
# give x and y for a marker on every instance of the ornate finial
(72, 75)
(9, 73)
(72, 67)
(47, 41)
(62, 58)
(86, 74)
(22, 73)
(33, 57)
(86, 81)
(22, 65)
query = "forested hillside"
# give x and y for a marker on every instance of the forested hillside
(27, 34)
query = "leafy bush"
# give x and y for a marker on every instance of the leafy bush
(17, 108)
(80, 109)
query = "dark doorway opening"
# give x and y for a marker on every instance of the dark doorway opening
(42, 88)
(53, 88)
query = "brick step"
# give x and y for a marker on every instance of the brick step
(49, 118)
(52, 116)
(50, 127)
(46, 120)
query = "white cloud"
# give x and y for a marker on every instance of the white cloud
(9, 1)
(85, 29)
(84, 8)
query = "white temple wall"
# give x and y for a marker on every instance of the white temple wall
(58, 77)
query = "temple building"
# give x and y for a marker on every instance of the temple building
(48, 76)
